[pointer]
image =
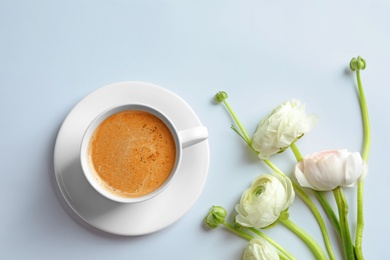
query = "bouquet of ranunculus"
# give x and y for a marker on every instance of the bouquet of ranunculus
(266, 202)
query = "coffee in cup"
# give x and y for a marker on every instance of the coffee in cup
(130, 153)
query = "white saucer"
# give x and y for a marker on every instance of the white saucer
(129, 219)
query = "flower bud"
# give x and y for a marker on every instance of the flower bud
(215, 217)
(220, 96)
(357, 64)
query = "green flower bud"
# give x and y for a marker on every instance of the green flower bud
(357, 64)
(220, 96)
(215, 217)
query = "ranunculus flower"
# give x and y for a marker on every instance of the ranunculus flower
(327, 170)
(262, 203)
(286, 123)
(259, 249)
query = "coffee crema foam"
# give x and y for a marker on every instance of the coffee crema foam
(132, 153)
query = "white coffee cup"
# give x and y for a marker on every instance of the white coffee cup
(182, 139)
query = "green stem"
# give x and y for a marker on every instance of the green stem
(282, 255)
(343, 215)
(328, 210)
(306, 199)
(243, 131)
(365, 153)
(272, 242)
(273, 167)
(237, 232)
(296, 151)
(310, 242)
(366, 120)
(360, 222)
(319, 195)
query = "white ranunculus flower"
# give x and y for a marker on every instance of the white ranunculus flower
(286, 123)
(262, 203)
(259, 249)
(327, 170)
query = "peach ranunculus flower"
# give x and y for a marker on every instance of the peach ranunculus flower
(284, 125)
(327, 170)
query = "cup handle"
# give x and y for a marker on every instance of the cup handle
(193, 136)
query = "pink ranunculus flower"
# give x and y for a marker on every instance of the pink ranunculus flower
(327, 170)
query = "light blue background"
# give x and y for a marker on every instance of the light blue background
(54, 53)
